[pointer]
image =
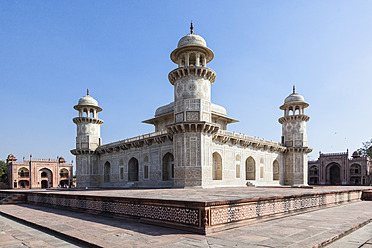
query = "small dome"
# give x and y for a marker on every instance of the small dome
(217, 109)
(294, 98)
(88, 101)
(11, 156)
(61, 160)
(166, 109)
(192, 40)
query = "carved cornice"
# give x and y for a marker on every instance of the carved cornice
(200, 71)
(293, 117)
(197, 126)
(82, 151)
(78, 120)
(236, 139)
(136, 142)
(299, 149)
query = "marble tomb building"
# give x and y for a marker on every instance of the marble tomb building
(191, 146)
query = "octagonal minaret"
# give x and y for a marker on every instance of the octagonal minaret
(192, 79)
(88, 139)
(192, 128)
(294, 137)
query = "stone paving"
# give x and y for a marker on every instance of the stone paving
(200, 195)
(307, 229)
(14, 234)
(359, 238)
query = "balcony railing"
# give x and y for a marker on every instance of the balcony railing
(23, 174)
(63, 175)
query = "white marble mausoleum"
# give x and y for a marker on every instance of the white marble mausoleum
(191, 146)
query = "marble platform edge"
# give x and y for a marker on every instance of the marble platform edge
(49, 230)
(196, 217)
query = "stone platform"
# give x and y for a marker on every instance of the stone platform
(197, 210)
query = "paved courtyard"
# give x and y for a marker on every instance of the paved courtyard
(200, 195)
(306, 229)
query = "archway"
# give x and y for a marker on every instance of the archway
(46, 178)
(334, 174)
(63, 183)
(250, 169)
(44, 184)
(276, 170)
(168, 167)
(106, 172)
(217, 166)
(63, 173)
(23, 173)
(313, 175)
(133, 169)
(355, 174)
(24, 184)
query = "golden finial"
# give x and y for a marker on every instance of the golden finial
(191, 28)
(294, 89)
(87, 92)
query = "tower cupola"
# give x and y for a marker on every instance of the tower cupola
(88, 124)
(192, 51)
(294, 102)
(88, 106)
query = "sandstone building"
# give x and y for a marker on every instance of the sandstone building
(38, 173)
(339, 169)
(191, 146)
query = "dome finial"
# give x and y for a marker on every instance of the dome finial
(191, 28)
(87, 92)
(294, 89)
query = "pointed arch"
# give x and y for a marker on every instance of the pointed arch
(250, 169)
(133, 169)
(106, 172)
(276, 170)
(217, 166)
(168, 167)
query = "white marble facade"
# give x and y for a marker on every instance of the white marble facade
(191, 146)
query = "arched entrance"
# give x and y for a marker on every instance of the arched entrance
(250, 169)
(63, 183)
(44, 184)
(355, 174)
(168, 167)
(217, 166)
(334, 174)
(24, 184)
(133, 169)
(46, 178)
(276, 170)
(106, 172)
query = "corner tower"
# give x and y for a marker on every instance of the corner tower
(294, 137)
(192, 128)
(88, 139)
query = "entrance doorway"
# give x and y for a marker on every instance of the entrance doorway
(44, 184)
(334, 172)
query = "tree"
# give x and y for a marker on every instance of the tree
(3, 172)
(366, 149)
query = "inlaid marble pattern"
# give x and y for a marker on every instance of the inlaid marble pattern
(222, 215)
(165, 213)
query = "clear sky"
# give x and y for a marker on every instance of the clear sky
(52, 51)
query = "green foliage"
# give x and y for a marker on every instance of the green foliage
(366, 149)
(3, 171)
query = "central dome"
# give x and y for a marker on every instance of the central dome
(192, 40)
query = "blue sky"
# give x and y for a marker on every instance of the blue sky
(52, 51)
